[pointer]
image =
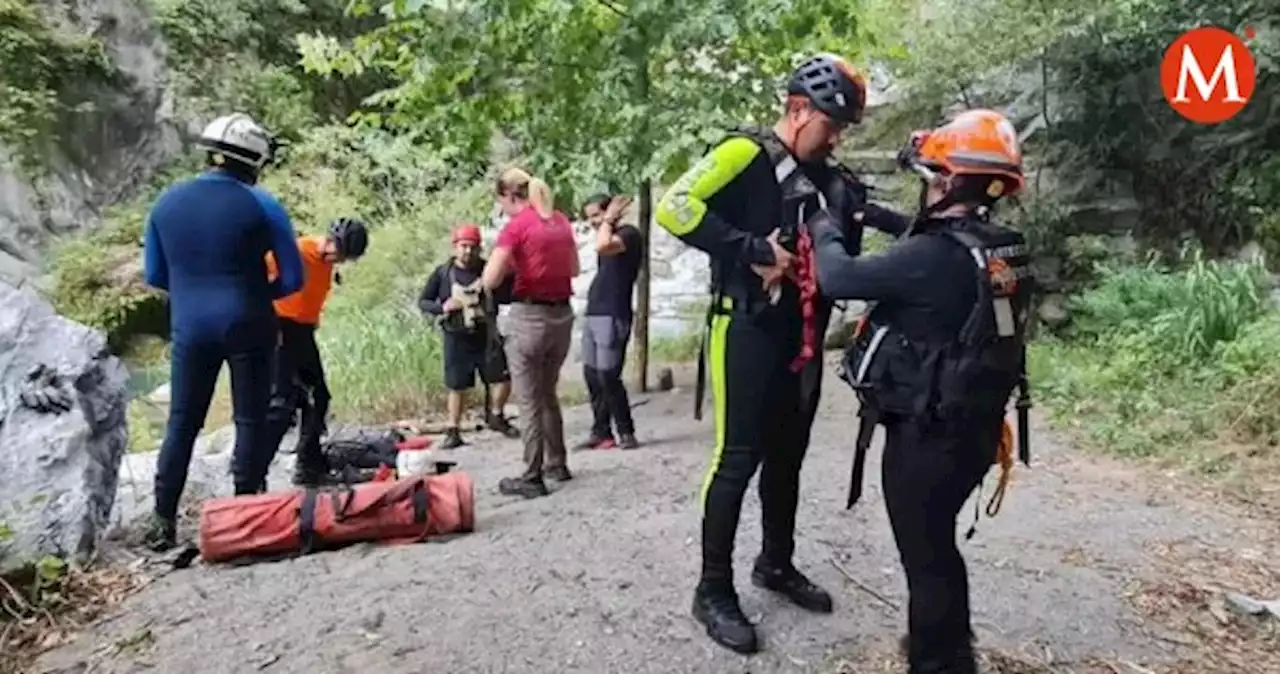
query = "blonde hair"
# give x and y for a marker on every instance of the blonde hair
(519, 184)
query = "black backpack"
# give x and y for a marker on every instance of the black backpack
(973, 375)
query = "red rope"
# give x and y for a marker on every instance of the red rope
(808, 282)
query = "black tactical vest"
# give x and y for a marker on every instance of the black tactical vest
(974, 374)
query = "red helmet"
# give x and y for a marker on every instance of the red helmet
(468, 234)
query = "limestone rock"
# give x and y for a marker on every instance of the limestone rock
(62, 431)
(105, 154)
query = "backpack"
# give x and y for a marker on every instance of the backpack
(474, 316)
(973, 375)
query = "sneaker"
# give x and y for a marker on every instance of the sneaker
(793, 585)
(519, 486)
(719, 612)
(161, 534)
(452, 439)
(628, 441)
(499, 423)
(597, 442)
(559, 474)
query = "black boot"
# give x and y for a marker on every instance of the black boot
(791, 584)
(452, 439)
(718, 610)
(522, 486)
(497, 421)
(961, 662)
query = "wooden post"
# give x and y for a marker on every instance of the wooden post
(645, 147)
(641, 329)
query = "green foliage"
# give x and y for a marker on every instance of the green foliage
(40, 64)
(241, 55)
(591, 91)
(1181, 364)
(1084, 77)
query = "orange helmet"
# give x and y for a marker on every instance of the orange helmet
(977, 143)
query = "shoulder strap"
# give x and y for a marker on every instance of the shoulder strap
(977, 250)
(786, 170)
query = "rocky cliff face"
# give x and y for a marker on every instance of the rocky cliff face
(105, 154)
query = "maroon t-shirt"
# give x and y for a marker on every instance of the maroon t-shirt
(542, 253)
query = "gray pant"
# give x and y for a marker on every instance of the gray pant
(538, 340)
(604, 352)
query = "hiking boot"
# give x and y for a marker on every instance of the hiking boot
(628, 441)
(498, 422)
(597, 442)
(719, 612)
(559, 474)
(452, 439)
(792, 584)
(161, 534)
(519, 486)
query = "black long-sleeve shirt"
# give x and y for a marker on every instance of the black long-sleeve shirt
(924, 284)
(439, 286)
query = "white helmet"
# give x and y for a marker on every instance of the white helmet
(240, 138)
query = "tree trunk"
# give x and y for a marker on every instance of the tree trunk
(642, 285)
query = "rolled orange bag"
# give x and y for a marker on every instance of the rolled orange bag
(303, 521)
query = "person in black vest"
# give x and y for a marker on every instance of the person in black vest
(744, 204)
(936, 360)
(620, 250)
(472, 344)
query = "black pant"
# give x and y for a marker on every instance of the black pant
(763, 415)
(929, 472)
(194, 367)
(298, 384)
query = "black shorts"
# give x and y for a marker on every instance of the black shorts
(464, 356)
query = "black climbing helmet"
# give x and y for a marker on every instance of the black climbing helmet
(833, 86)
(351, 236)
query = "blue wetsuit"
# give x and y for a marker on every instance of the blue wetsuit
(206, 242)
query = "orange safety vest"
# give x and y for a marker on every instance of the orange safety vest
(305, 305)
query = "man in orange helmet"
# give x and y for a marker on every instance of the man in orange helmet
(454, 294)
(936, 360)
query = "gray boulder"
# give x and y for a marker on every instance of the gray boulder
(62, 431)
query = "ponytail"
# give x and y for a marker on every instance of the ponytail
(540, 196)
(518, 183)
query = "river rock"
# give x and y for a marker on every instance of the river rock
(58, 467)
(1053, 311)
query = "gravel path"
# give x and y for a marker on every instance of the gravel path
(598, 577)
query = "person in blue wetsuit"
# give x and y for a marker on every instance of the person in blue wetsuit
(206, 243)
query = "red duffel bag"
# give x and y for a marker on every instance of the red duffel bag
(302, 521)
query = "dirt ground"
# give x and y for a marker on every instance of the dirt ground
(597, 578)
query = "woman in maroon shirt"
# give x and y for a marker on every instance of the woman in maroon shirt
(537, 245)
